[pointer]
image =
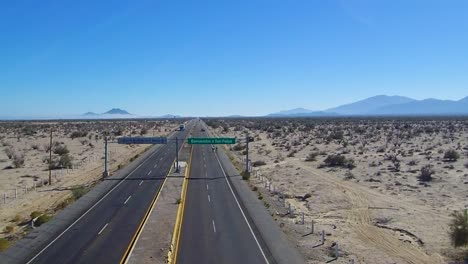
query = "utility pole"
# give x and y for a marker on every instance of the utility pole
(177, 154)
(50, 157)
(105, 174)
(247, 153)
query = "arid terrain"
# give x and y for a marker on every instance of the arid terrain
(77, 162)
(382, 189)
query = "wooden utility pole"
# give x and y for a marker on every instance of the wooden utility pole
(50, 157)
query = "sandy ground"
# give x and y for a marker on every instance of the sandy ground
(87, 158)
(376, 213)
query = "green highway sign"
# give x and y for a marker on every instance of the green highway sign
(211, 140)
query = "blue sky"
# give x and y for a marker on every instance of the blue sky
(254, 57)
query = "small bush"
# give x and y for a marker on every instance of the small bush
(10, 152)
(254, 188)
(426, 173)
(245, 175)
(78, 192)
(312, 156)
(42, 220)
(4, 244)
(35, 214)
(78, 134)
(17, 218)
(178, 201)
(258, 163)
(9, 229)
(339, 161)
(238, 147)
(18, 160)
(65, 161)
(35, 146)
(61, 150)
(306, 196)
(291, 154)
(451, 155)
(466, 165)
(459, 229)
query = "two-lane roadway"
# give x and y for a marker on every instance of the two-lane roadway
(104, 232)
(215, 228)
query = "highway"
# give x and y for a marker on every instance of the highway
(103, 234)
(214, 227)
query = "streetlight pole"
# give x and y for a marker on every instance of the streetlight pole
(50, 157)
(105, 173)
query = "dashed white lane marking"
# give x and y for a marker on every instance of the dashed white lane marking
(155, 166)
(126, 201)
(209, 199)
(150, 172)
(140, 183)
(214, 226)
(207, 187)
(102, 229)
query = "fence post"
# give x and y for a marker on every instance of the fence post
(16, 193)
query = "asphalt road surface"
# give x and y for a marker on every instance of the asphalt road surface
(105, 232)
(214, 227)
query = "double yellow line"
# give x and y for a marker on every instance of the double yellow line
(174, 248)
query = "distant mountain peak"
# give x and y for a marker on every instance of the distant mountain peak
(116, 111)
(90, 114)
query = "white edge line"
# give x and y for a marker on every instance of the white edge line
(126, 201)
(92, 207)
(102, 229)
(242, 211)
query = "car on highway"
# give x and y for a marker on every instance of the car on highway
(202, 130)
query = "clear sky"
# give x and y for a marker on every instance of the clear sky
(252, 57)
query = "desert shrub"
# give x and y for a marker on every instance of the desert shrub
(143, 131)
(258, 163)
(35, 214)
(426, 173)
(78, 134)
(291, 154)
(9, 229)
(348, 175)
(42, 220)
(79, 192)
(46, 147)
(10, 152)
(178, 201)
(339, 161)
(451, 155)
(35, 146)
(65, 161)
(4, 244)
(412, 163)
(61, 150)
(254, 188)
(245, 175)
(17, 218)
(466, 165)
(306, 196)
(18, 160)
(238, 147)
(459, 229)
(312, 156)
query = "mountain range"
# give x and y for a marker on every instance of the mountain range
(386, 105)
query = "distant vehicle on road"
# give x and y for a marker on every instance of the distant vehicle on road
(182, 127)
(202, 130)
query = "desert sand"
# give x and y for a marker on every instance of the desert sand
(377, 209)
